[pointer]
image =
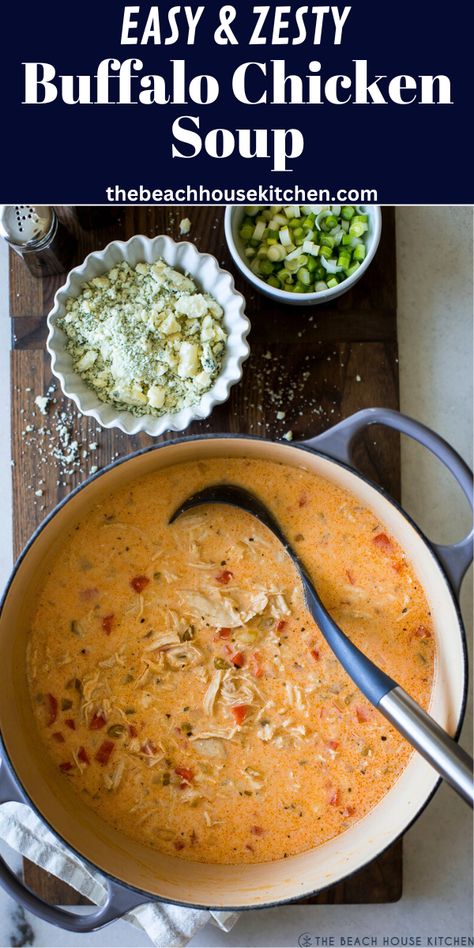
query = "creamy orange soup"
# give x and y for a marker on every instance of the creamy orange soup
(180, 685)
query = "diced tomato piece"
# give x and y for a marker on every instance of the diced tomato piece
(398, 566)
(314, 652)
(257, 830)
(98, 721)
(303, 500)
(255, 666)
(187, 776)
(138, 583)
(70, 723)
(350, 576)
(58, 737)
(107, 623)
(148, 748)
(52, 709)
(281, 625)
(85, 595)
(178, 844)
(238, 659)
(421, 633)
(383, 542)
(333, 745)
(65, 766)
(224, 577)
(83, 756)
(224, 633)
(104, 752)
(334, 798)
(132, 730)
(240, 712)
(362, 714)
(348, 811)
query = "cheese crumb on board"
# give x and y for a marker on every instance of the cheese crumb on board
(184, 226)
(288, 436)
(144, 338)
(42, 402)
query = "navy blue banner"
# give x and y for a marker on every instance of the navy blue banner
(253, 102)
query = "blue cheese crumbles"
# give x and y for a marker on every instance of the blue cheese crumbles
(144, 338)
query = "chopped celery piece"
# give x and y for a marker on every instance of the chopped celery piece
(332, 282)
(352, 269)
(320, 286)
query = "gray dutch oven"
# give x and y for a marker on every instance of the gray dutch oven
(134, 873)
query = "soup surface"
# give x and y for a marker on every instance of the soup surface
(179, 683)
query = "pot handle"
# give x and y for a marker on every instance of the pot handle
(119, 901)
(338, 441)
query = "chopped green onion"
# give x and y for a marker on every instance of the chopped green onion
(304, 276)
(304, 249)
(276, 252)
(359, 253)
(357, 229)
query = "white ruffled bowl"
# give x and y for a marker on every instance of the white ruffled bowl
(205, 270)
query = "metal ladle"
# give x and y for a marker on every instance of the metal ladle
(421, 730)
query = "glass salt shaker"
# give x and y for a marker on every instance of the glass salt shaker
(38, 236)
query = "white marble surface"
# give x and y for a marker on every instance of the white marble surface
(435, 334)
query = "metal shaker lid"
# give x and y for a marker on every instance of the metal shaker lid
(25, 225)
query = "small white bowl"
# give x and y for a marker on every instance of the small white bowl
(205, 270)
(232, 223)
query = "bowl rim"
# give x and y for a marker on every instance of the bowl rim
(297, 298)
(6, 761)
(153, 425)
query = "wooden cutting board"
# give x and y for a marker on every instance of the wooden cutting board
(317, 364)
